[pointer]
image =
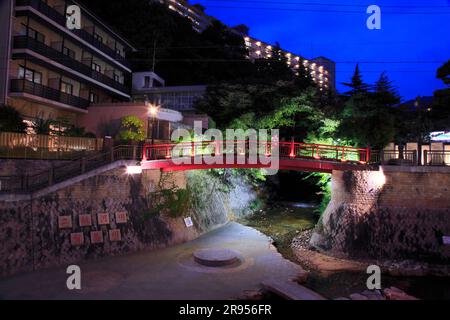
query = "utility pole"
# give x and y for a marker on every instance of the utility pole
(154, 56)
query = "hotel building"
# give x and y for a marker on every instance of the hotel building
(321, 69)
(51, 72)
(200, 21)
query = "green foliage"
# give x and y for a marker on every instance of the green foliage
(368, 117)
(11, 120)
(132, 129)
(42, 126)
(440, 114)
(174, 201)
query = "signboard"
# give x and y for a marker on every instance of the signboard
(96, 237)
(85, 220)
(121, 217)
(103, 218)
(188, 222)
(65, 222)
(77, 239)
(446, 240)
(114, 235)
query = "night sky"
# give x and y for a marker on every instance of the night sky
(409, 47)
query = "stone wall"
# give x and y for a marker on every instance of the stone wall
(397, 212)
(103, 215)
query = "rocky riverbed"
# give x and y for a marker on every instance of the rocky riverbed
(291, 226)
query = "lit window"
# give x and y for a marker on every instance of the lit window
(258, 43)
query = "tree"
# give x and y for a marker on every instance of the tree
(132, 130)
(11, 120)
(385, 92)
(368, 118)
(440, 114)
(357, 85)
(42, 126)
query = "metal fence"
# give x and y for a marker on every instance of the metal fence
(46, 178)
(27, 146)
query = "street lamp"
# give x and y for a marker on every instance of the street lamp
(153, 110)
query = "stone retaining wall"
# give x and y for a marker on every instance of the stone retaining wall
(103, 215)
(397, 213)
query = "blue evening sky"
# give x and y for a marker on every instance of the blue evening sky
(409, 47)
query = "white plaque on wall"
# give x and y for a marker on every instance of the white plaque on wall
(188, 222)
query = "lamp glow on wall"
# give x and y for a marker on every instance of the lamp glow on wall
(134, 170)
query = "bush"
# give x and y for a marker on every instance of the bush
(11, 120)
(132, 130)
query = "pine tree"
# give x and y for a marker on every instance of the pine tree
(385, 92)
(357, 85)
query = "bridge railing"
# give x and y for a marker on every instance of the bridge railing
(407, 157)
(291, 150)
(436, 158)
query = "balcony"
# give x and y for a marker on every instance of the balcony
(35, 89)
(56, 16)
(24, 42)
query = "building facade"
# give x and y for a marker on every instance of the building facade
(51, 72)
(148, 87)
(200, 21)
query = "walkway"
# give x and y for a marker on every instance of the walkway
(163, 274)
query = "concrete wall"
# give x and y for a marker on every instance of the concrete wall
(33, 234)
(397, 212)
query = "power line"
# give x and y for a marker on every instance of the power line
(324, 11)
(329, 4)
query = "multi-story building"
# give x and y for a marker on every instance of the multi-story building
(200, 21)
(149, 87)
(51, 72)
(321, 69)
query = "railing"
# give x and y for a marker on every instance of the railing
(25, 86)
(290, 150)
(24, 42)
(44, 147)
(56, 16)
(394, 157)
(436, 158)
(34, 182)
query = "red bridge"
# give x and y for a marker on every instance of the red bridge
(292, 156)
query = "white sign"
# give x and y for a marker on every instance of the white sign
(446, 240)
(188, 222)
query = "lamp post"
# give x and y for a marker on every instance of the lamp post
(153, 110)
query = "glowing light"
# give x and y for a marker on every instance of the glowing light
(153, 110)
(378, 178)
(258, 43)
(134, 170)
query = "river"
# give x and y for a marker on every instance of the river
(283, 221)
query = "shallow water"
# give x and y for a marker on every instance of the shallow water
(283, 221)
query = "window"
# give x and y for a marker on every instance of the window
(116, 77)
(93, 97)
(30, 75)
(32, 33)
(96, 67)
(119, 52)
(68, 52)
(146, 82)
(66, 87)
(98, 37)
